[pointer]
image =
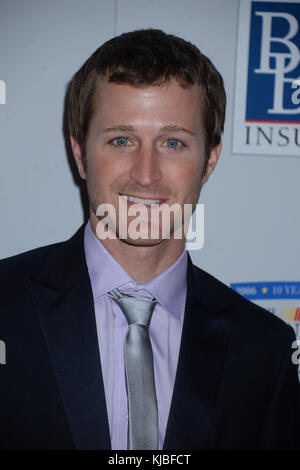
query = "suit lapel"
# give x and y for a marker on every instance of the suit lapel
(206, 332)
(64, 301)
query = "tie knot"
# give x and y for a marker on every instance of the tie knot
(138, 311)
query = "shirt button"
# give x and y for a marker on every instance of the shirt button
(126, 416)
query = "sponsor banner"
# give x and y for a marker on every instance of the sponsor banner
(267, 87)
(268, 290)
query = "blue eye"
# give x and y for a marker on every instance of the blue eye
(173, 143)
(121, 141)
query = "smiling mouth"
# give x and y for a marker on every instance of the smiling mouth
(146, 202)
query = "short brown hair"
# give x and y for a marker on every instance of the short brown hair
(147, 57)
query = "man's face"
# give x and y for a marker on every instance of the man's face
(146, 143)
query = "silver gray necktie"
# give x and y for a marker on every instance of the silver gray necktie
(142, 403)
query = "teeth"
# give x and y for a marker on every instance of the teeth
(137, 200)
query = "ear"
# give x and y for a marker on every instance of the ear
(78, 157)
(213, 160)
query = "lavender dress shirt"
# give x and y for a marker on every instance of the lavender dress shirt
(169, 288)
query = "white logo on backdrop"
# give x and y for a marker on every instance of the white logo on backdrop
(267, 92)
(285, 62)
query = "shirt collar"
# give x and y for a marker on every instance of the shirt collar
(169, 287)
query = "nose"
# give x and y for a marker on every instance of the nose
(145, 169)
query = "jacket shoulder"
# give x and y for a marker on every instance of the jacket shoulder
(250, 314)
(57, 265)
(26, 262)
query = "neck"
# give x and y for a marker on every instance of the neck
(142, 262)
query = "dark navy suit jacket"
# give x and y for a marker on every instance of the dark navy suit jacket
(235, 388)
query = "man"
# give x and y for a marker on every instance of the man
(205, 369)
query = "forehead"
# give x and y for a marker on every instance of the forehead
(167, 103)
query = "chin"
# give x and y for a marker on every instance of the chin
(142, 241)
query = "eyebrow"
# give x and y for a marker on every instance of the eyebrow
(119, 128)
(174, 128)
(168, 128)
